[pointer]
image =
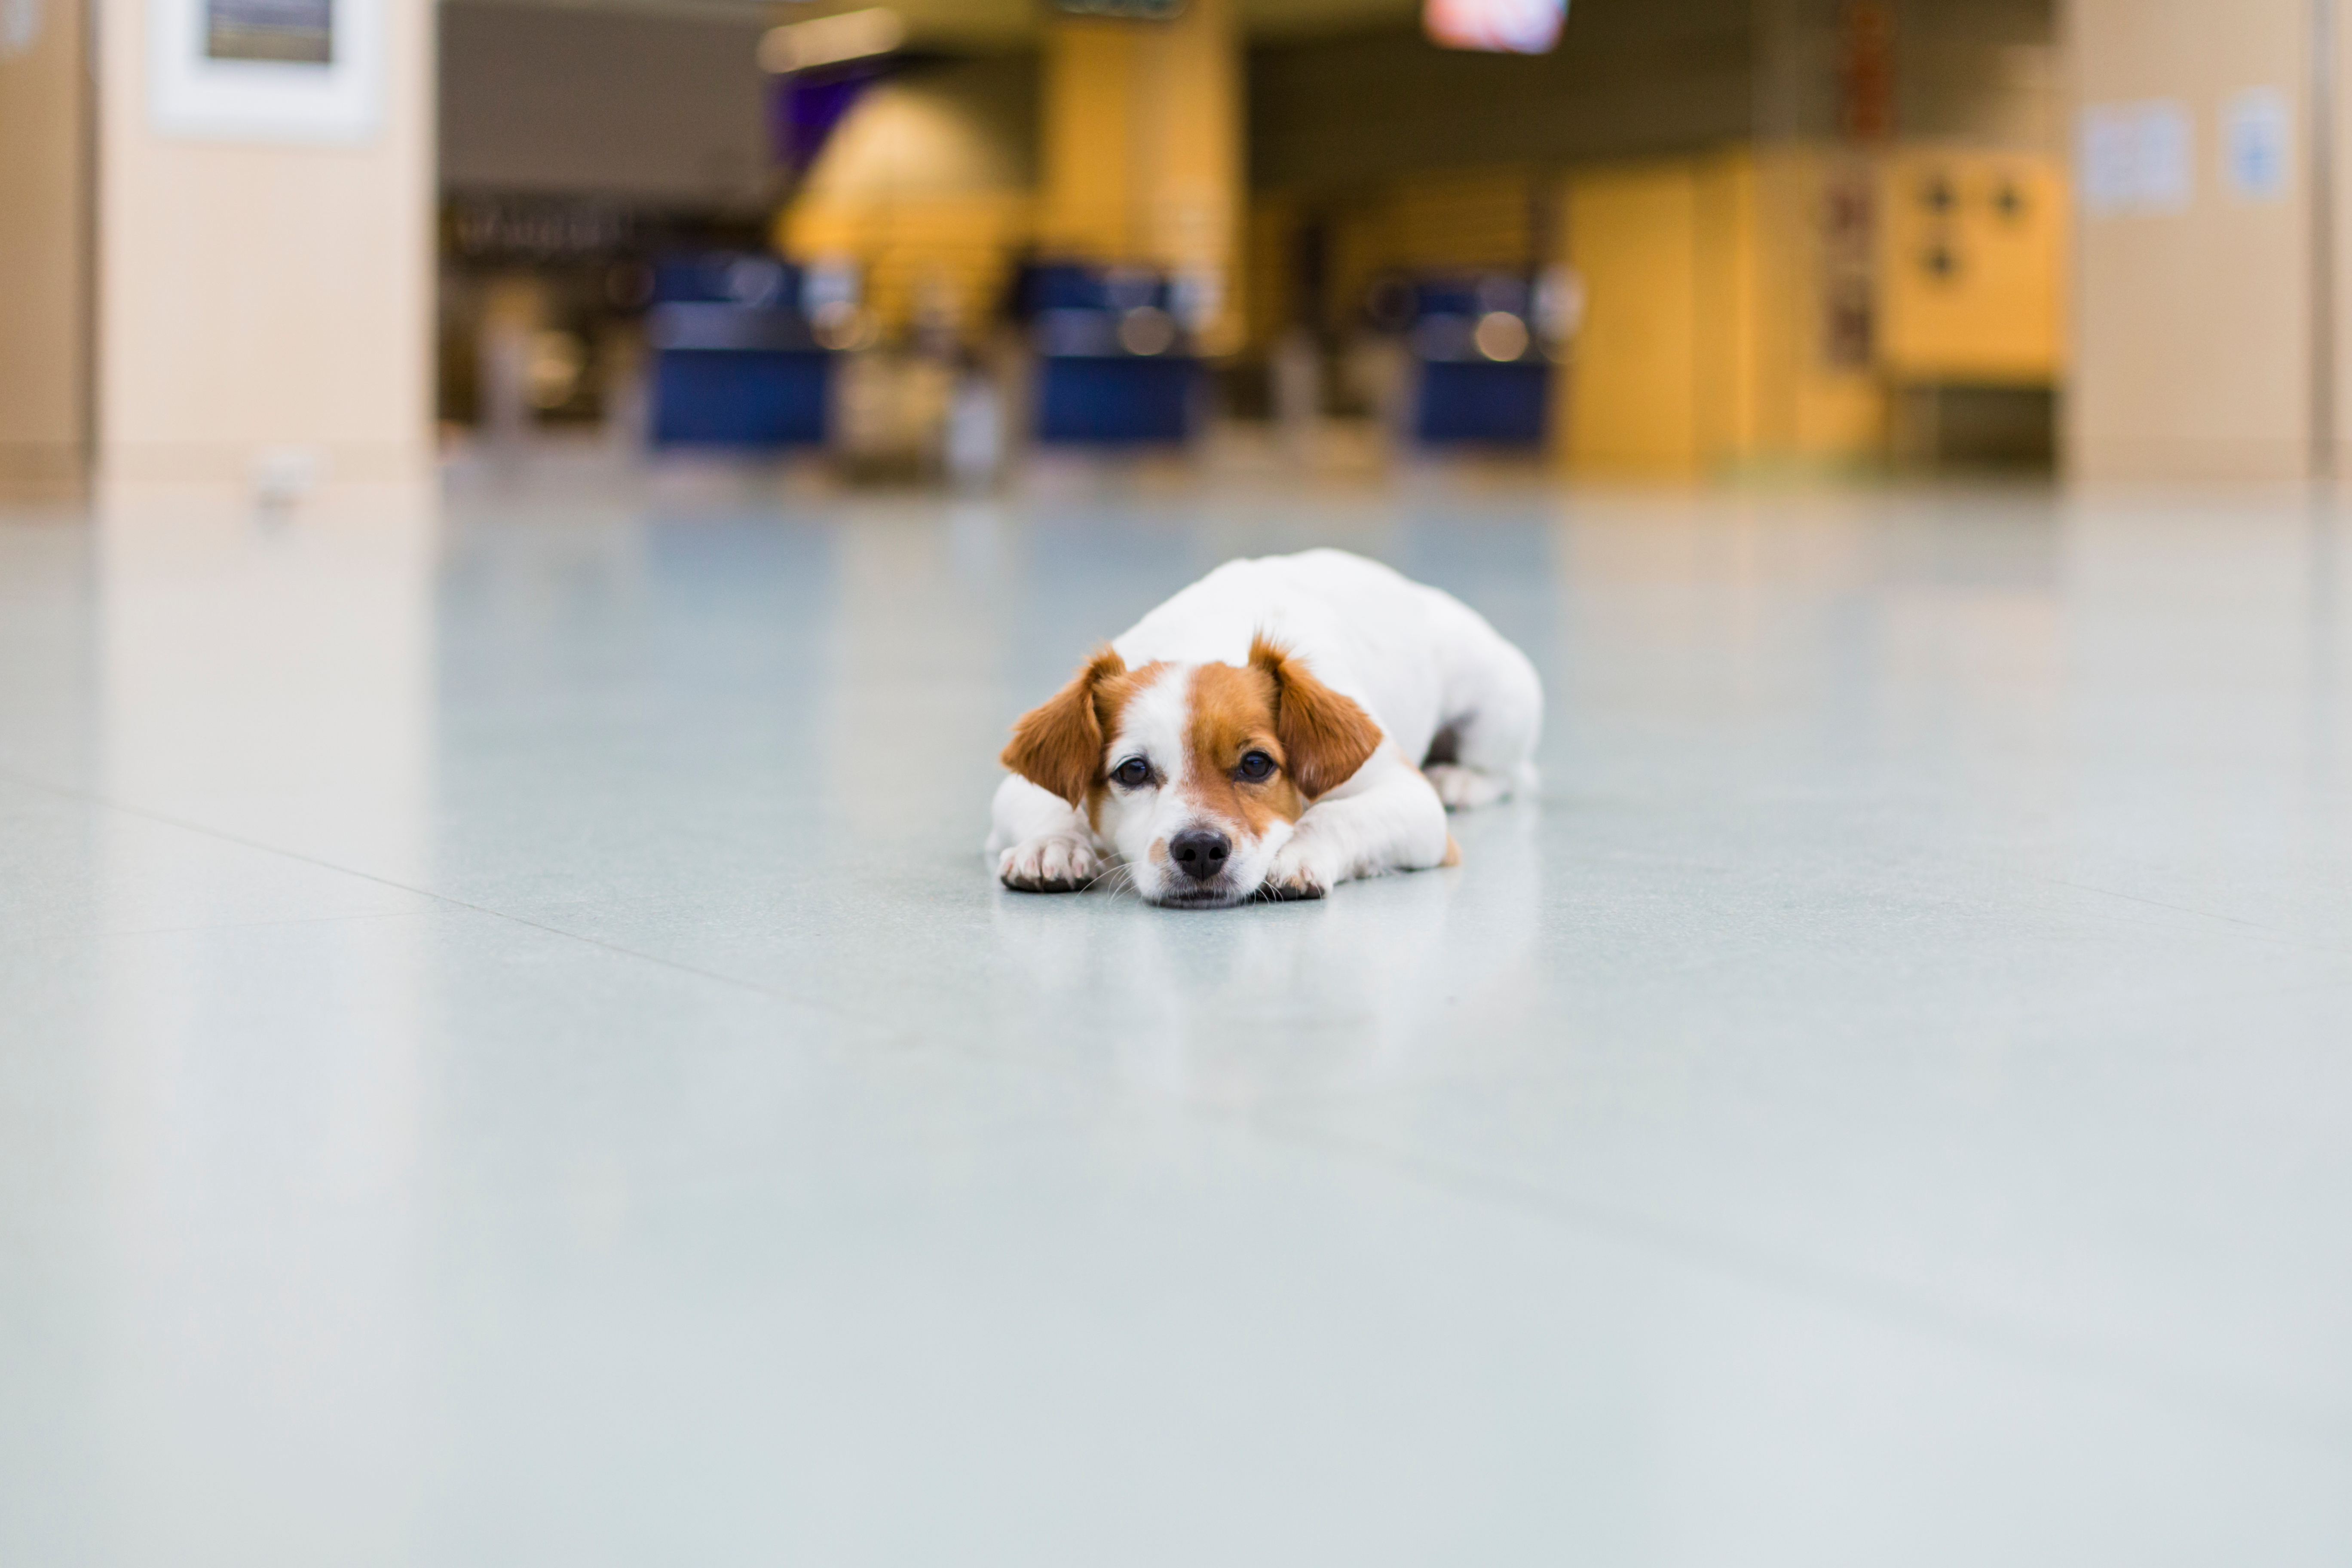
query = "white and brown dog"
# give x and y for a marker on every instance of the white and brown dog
(1277, 727)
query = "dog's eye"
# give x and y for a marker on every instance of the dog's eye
(1257, 767)
(1133, 773)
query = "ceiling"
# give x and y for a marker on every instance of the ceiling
(986, 22)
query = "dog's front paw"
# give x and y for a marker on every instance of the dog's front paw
(1293, 875)
(1053, 863)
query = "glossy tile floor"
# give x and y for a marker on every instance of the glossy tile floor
(510, 1054)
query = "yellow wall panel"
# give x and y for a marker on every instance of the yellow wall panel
(1711, 338)
(1821, 395)
(1725, 304)
(1971, 264)
(1633, 401)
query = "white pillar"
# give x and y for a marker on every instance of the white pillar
(265, 294)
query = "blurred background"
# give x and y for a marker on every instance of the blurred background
(935, 241)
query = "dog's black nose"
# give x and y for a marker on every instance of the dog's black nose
(1200, 854)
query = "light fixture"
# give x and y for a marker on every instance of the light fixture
(1498, 27)
(1147, 330)
(1501, 336)
(831, 40)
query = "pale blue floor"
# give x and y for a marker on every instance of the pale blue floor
(510, 1054)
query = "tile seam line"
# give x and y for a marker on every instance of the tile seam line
(132, 932)
(1794, 1278)
(90, 798)
(2272, 934)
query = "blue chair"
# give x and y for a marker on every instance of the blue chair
(735, 361)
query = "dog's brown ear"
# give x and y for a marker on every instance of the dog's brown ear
(1058, 745)
(1325, 737)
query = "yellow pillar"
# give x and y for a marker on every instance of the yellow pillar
(44, 252)
(1143, 144)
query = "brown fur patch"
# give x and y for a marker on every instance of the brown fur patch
(1058, 744)
(1453, 852)
(1234, 714)
(1325, 737)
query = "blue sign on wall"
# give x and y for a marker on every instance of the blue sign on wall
(2257, 140)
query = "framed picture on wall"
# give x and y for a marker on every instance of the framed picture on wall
(266, 70)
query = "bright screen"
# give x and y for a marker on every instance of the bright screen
(1504, 26)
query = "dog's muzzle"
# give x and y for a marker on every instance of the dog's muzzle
(1200, 855)
(1196, 876)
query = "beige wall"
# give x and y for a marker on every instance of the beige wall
(2191, 357)
(43, 235)
(257, 297)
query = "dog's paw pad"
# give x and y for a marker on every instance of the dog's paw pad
(1050, 865)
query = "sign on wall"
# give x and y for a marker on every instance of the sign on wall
(2257, 144)
(20, 26)
(2139, 157)
(266, 70)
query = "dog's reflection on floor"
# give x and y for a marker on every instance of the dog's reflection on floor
(1391, 979)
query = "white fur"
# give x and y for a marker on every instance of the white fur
(1420, 662)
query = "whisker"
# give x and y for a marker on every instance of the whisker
(1113, 874)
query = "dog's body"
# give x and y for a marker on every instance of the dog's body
(1281, 726)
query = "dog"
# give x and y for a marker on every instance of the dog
(1280, 727)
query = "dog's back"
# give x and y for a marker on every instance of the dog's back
(1416, 658)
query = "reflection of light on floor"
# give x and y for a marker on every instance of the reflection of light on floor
(270, 684)
(274, 679)
(914, 654)
(1252, 1006)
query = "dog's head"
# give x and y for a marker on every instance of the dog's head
(1195, 773)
